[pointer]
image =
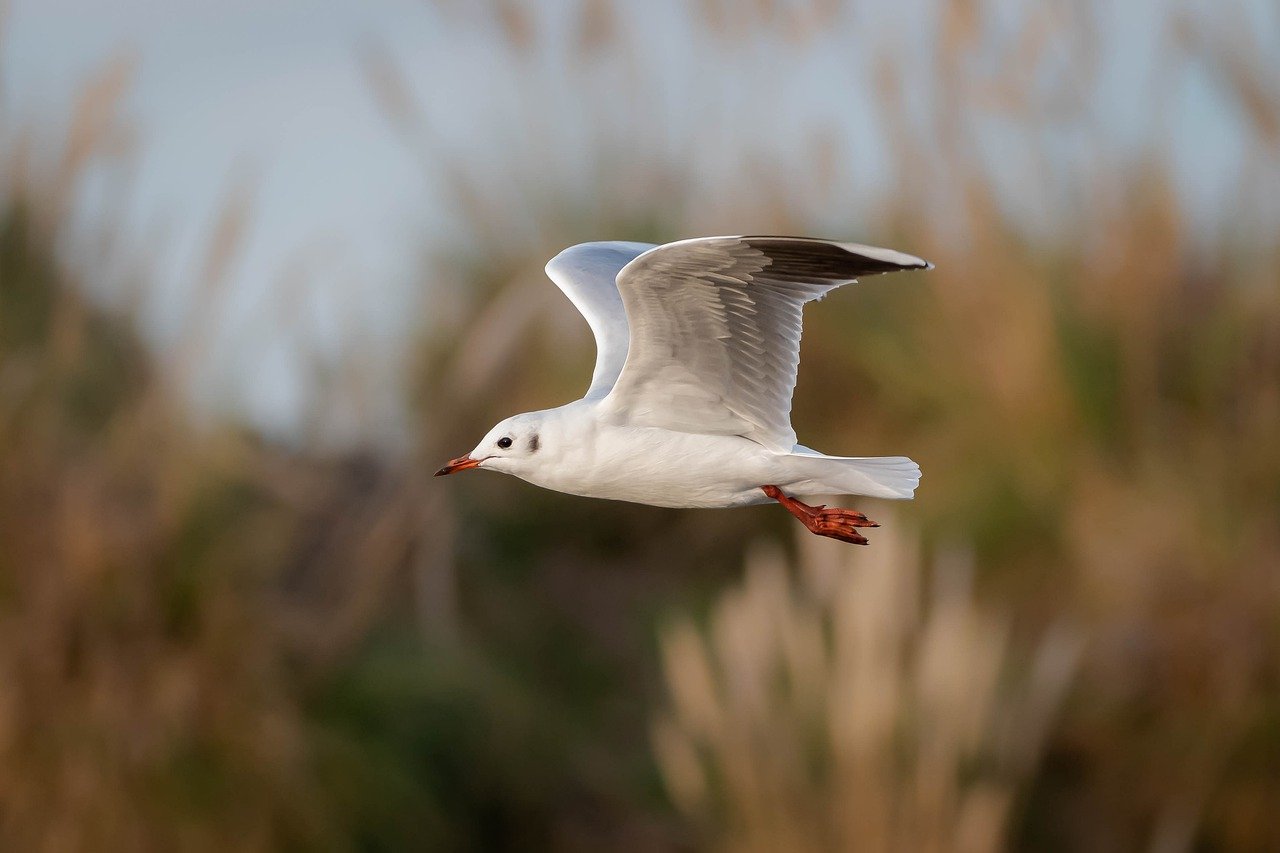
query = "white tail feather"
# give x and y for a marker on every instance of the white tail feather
(893, 477)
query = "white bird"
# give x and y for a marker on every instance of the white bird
(697, 347)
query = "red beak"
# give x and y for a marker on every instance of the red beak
(462, 463)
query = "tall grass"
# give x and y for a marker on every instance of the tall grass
(210, 641)
(1088, 379)
(175, 600)
(834, 712)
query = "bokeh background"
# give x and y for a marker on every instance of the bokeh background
(263, 267)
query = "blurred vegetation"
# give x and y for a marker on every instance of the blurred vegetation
(211, 641)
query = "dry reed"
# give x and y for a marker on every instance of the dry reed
(195, 623)
(838, 712)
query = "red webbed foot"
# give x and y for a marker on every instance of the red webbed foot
(834, 522)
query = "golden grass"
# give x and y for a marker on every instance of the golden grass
(838, 711)
(194, 623)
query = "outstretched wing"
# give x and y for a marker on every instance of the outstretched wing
(715, 330)
(587, 274)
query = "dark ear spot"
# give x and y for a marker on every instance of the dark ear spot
(533, 443)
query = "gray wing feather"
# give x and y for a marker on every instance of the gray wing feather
(715, 330)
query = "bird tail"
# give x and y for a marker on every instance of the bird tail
(893, 477)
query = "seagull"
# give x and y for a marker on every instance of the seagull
(697, 348)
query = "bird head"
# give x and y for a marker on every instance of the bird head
(508, 447)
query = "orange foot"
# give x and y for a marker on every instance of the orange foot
(837, 523)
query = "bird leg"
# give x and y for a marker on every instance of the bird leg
(837, 523)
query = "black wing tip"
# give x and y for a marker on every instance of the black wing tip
(875, 258)
(888, 260)
(914, 264)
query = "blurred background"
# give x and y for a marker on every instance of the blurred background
(264, 267)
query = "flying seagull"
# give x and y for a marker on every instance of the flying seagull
(697, 347)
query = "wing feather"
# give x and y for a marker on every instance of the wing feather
(715, 329)
(587, 274)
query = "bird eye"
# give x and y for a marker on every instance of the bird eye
(504, 442)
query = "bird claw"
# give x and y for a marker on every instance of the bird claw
(841, 524)
(847, 516)
(833, 522)
(850, 536)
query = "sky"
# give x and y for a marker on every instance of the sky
(273, 98)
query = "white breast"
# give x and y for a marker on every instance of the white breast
(660, 467)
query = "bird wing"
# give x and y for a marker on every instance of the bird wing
(587, 274)
(715, 330)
